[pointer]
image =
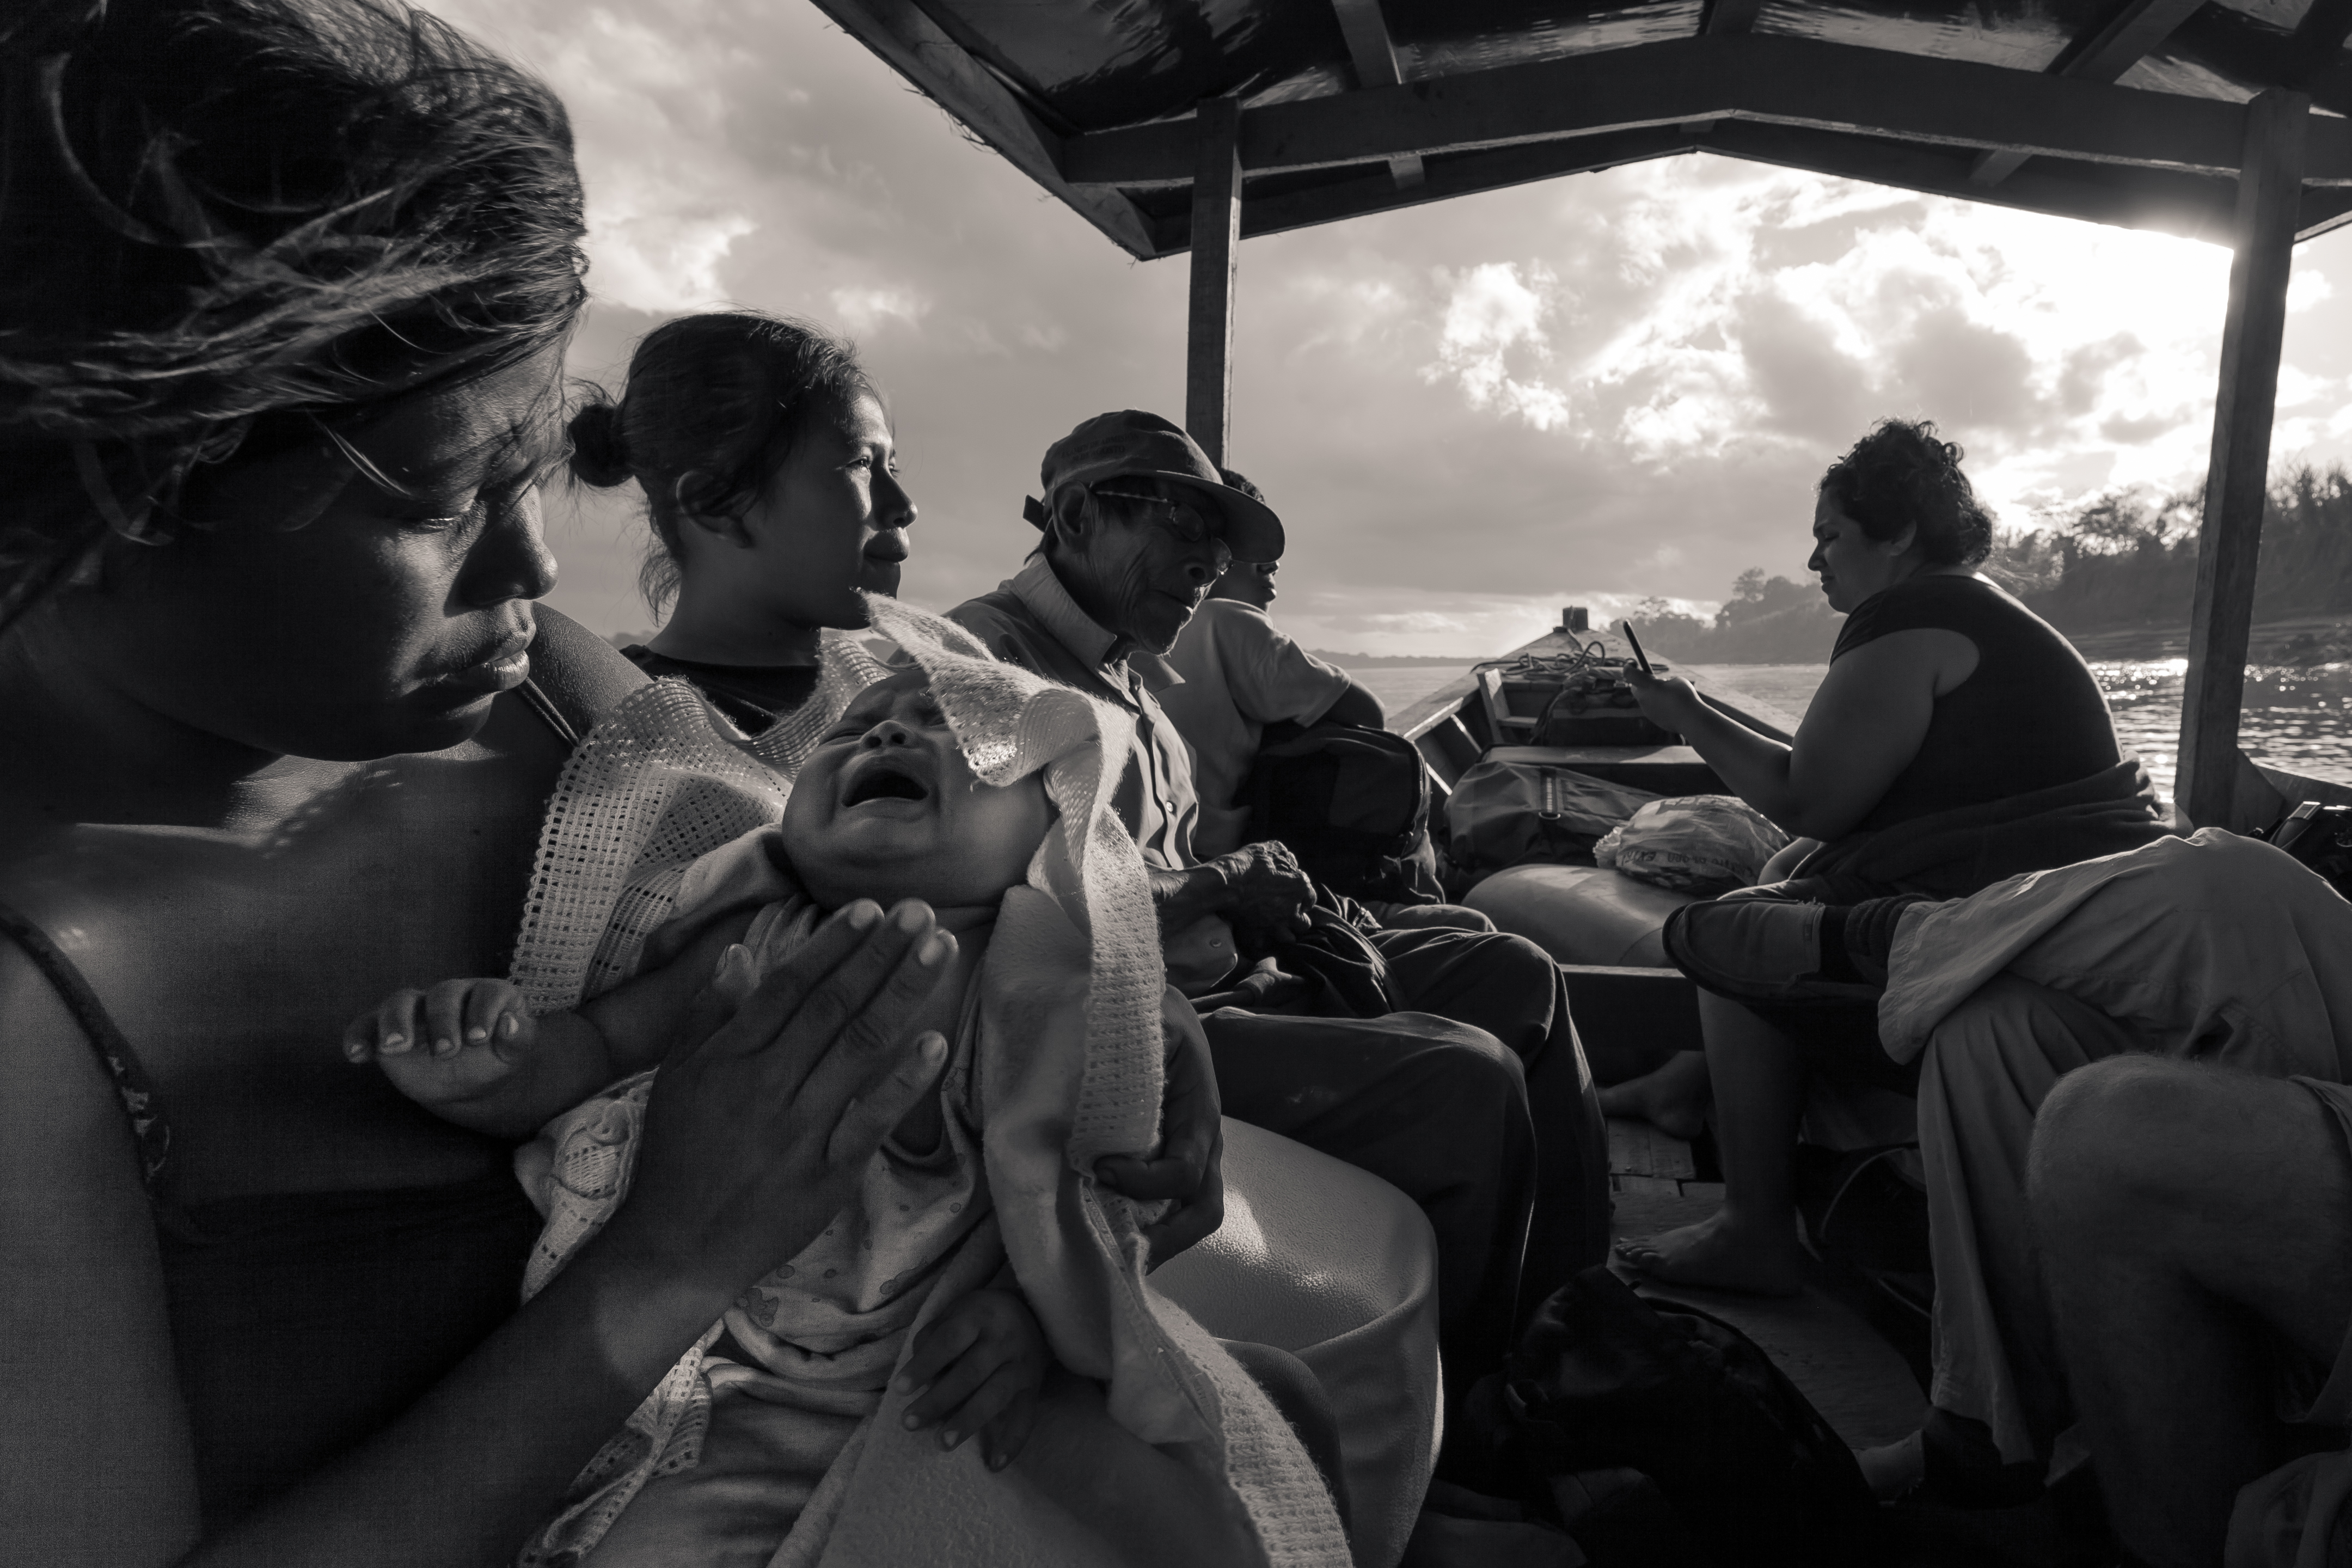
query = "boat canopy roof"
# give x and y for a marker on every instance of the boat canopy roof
(2128, 113)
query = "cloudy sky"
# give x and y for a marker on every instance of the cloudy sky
(1469, 414)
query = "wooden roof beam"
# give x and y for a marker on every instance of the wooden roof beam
(2195, 207)
(2128, 37)
(1466, 175)
(2316, 48)
(2310, 59)
(1760, 78)
(1373, 53)
(911, 44)
(1723, 19)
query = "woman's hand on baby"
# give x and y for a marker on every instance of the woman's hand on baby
(978, 1367)
(757, 1132)
(454, 1042)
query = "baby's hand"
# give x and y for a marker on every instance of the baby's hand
(978, 1365)
(453, 1043)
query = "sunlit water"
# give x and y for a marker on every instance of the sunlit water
(2296, 718)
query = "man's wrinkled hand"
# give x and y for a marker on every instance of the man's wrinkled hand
(1270, 893)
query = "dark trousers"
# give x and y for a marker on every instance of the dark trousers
(1514, 990)
(1837, 1039)
(1477, 1106)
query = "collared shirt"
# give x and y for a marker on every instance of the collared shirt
(1240, 674)
(1032, 621)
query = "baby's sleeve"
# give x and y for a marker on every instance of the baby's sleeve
(746, 873)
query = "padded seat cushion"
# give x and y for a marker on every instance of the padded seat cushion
(1580, 914)
(1339, 1268)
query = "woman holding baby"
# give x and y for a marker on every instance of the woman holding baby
(282, 311)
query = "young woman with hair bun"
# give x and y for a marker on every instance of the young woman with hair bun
(1958, 738)
(770, 482)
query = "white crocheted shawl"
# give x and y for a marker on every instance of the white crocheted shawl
(662, 783)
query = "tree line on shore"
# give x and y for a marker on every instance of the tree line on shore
(2121, 558)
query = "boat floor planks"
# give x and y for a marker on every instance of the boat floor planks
(1860, 1384)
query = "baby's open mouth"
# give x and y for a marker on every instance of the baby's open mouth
(885, 781)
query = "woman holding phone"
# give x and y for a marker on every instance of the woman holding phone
(1958, 738)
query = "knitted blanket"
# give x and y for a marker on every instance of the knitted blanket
(663, 782)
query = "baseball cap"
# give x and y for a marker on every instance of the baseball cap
(1131, 443)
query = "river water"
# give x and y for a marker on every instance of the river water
(2298, 719)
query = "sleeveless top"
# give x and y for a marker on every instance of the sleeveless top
(754, 695)
(2029, 717)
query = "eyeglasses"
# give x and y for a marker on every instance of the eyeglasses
(1183, 519)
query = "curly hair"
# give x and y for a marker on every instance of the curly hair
(228, 225)
(724, 397)
(1900, 476)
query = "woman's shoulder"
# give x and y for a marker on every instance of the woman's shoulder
(1947, 601)
(79, 1268)
(67, 1131)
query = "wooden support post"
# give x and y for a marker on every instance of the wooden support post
(1216, 238)
(2228, 542)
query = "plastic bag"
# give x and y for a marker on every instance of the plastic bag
(1507, 812)
(1704, 844)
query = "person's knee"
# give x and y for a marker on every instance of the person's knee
(1463, 1067)
(1434, 917)
(2120, 1139)
(1518, 963)
(2230, 876)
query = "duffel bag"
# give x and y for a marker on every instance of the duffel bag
(1509, 813)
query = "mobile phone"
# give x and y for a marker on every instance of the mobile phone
(1635, 643)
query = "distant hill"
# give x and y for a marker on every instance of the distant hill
(2122, 567)
(1767, 620)
(2116, 572)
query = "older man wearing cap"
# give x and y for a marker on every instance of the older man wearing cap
(1138, 528)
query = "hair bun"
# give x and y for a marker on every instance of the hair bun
(599, 456)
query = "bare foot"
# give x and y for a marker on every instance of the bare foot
(1673, 1098)
(1720, 1254)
